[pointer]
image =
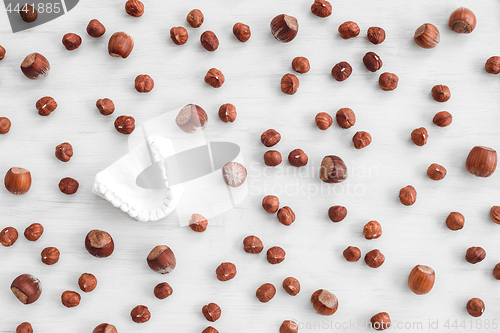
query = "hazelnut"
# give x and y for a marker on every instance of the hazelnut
(198, 223)
(71, 41)
(241, 32)
(2, 52)
(26, 288)
(481, 161)
(179, 35)
(455, 221)
(105, 106)
(374, 258)
(17, 181)
(50, 255)
(352, 254)
(372, 230)
(270, 138)
(388, 81)
(227, 113)
(253, 245)
(215, 78)
(209, 41)
(323, 121)
(297, 158)
(496, 271)
(372, 62)
(4, 125)
(28, 13)
(195, 18)
(289, 326)
(120, 45)
(381, 321)
(234, 174)
(272, 158)
(286, 216)
(421, 279)
(341, 71)
(337, 213)
(68, 185)
(191, 119)
(210, 329)
(87, 282)
(284, 28)
(333, 169)
(225, 271)
(275, 255)
(436, 172)
(427, 36)
(495, 214)
(99, 243)
(348, 30)
(134, 8)
(24, 328)
(440, 93)
(144, 83)
(442, 119)
(321, 8)
(419, 136)
(492, 65)
(95, 28)
(324, 302)
(105, 328)
(462, 20)
(64, 152)
(345, 118)
(163, 290)
(475, 255)
(161, 259)
(46, 105)
(35, 66)
(291, 285)
(361, 139)
(475, 307)
(33, 232)
(125, 124)
(289, 84)
(8, 236)
(376, 35)
(211, 312)
(140, 314)
(301, 65)
(270, 203)
(408, 195)
(265, 293)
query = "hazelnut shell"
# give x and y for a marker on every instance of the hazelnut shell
(161, 259)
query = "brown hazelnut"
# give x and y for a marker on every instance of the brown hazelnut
(270, 203)
(99, 243)
(427, 36)
(481, 161)
(120, 45)
(191, 119)
(289, 326)
(26, 288)
(286, 216)
(284, 28)
(24, 328)
(496, 271)
(195, 18)
(45, 106)
(215, 78)
(337, 213)
(372, 62)
(301, 65)
(17, 181)
(421, 279)
(440, 93)
(8, 236)
(95, 28)
(462, 20)
(321, 8)
(345, 118)
(275, 255)
(291, 285)
(270, 138)
(210, 329)
(225, 271)
(134, 8)
(125, 124)
(361, 139)
(348, 30)
(227, 113)
(140, 314)
(35, 66)
(408, 195)
(163, 290)
(455, 221)
(68, 185)
(33, 232)
(333, 169)
(289, 84)
(70, 299)
(436, 172)
(376, 35)
(234, 174)
(372, 230)
(297, 158)
(211, 312)
(388, 81)
(442, 119)
(475, 307)
(492, 65)
(352, 254)
(474, 255)
(341, 71)
(241, 32)
(50, 255)
(2, 52)
(324, 302)
(105, 106)
(272, 158)
(265, 293)
(144, 83)
(381, 321)
(209, 41)
(495, 214)
(71, 41)
(419, 136)
(179, 35)
(374, 258)
(323, 121)
(253, 245)
(198, 223)
(5, 125)
(64, 152)
(161, 259)
(87, 282)
(105, 328)
(28, 13)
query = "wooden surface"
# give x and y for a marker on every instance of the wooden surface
(314, 245)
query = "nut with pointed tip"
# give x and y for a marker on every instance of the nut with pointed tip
(33, 232)
(5, 125)
(99, 243)
(35, 66)
(374, 258)
(50, 255)
(462, 20)
(321, 8)
(323, 120)
(271, 203)
(105, 328)
(289, 326)
(352, 254)
(291, 285)
(442, 119)
(440, 93)
(372, 230)
(120, 45)
(481, 161)
(349, 30)
(215, 78)
(105, 106)
(234, 174)
(64, 152)
(301, 65)
(333, 169)
(68, 185)
(163, 290)
(87, 282)
(125, 124)
(211, 312)
(272, 158)
(144, 83)
(17, 181)
(28, 13)
(427, 36)
(421, 279)
(496, 271)
(191, 119)
(345, 118)
(71, 41)
(70, 299)
(455, 221)
(225, 271)
(265, 293)
(492, 65)
(26, 288)
(134, 8)
(495, 214)
(8, 236)
(372, 62)
(297, 158)
(376, 35)
(284, 28)
(419, 136)
(242, 32)
(341, 71)
(210, 329)
(289, 84)
(140, 314)
(275, 255)
(270, 137)
(95, 28)
(227, 113)
(286, 216)
(161, 259)
(2, 52)
(46, 105)
(408, 195)
(337, 213)
(436, 172)
(388, 81)
(475, 307)
(24, 328)
(198, 223)
(209, 41)
(253, 245)
(475, 254)
(195, 18)
(324, 302)
(361, 139)
(381, 321)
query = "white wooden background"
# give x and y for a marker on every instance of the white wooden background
(314, 245)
